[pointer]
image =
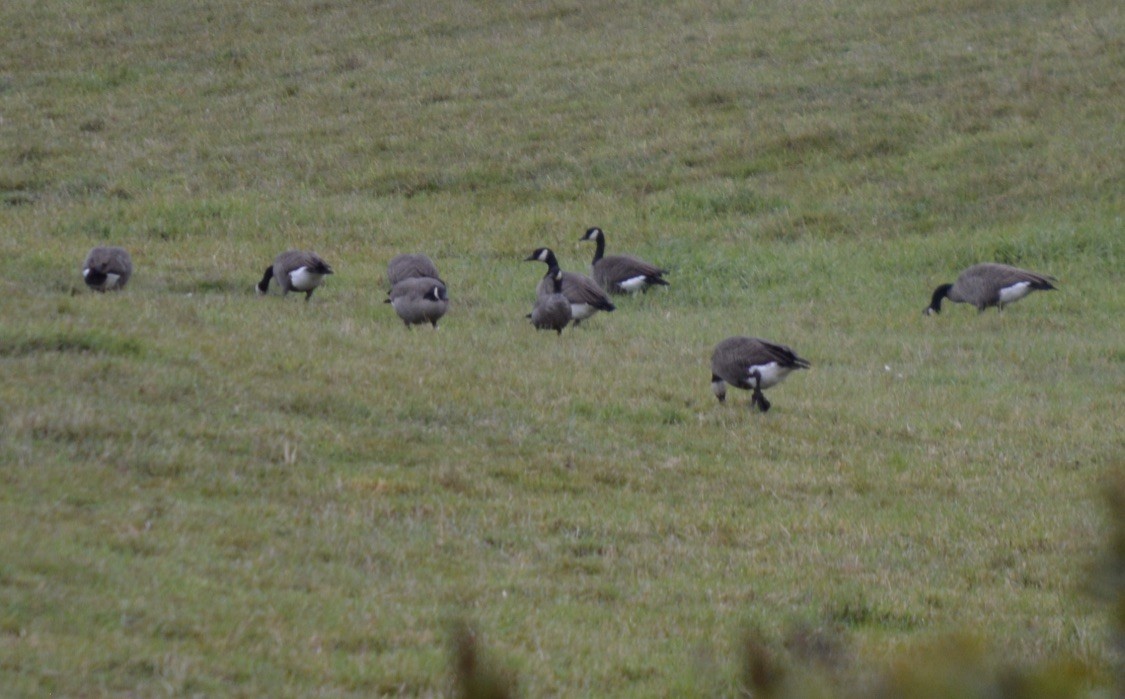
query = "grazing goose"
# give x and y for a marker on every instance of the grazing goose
(585, 296)
(622, 274)
(419, 300)
(552, 310)
(751, 364)
(107, 268)
(295, 270)
(410, 265)
(990, 284)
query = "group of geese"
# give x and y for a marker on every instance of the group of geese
(418, 295)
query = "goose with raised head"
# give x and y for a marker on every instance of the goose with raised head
(585, 296)
(622, 274)
(107, 268)
(552, 310)
(295, 270)
(419, 300)
(410, 265)
(990, 284)
(753, 365)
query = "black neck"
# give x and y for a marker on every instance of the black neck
(939, 293)
(265, 283)
(599, 240)
(555, 276)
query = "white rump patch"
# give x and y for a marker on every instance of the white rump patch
(1015, 292)
(772, 374)
(302, 279)
(111, 279)
(633, 284)
(582, 311)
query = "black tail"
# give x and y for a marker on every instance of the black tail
(264, 285)
(656, 281)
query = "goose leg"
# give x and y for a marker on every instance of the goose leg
(758, 398)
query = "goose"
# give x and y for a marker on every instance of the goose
(751, 364)
(295, 270)
(622, 274)
(410, 265)
(990, 284)
(552, 310)
(107, 268)
(585, 296)
(419, 300)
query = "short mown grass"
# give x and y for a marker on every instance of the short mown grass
(210, 493)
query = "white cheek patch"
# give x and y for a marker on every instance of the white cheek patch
(86, 273)
(303, 280)
(1015, 292)
(632, 283)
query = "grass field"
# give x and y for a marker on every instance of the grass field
(209, 493)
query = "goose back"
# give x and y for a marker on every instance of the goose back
(410, 265)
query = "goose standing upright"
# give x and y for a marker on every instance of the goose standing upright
(990, 284)
(419, 300)
(551, 311)
(585, 296)
(107, 268)
(622, 274)
(295, 270)
(751, 364)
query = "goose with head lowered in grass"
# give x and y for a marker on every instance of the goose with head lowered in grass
(753, 365)
(419, 300)
(107, 268)
(990, 284)
(296, 270)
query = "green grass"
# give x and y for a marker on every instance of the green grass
(209, 493)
